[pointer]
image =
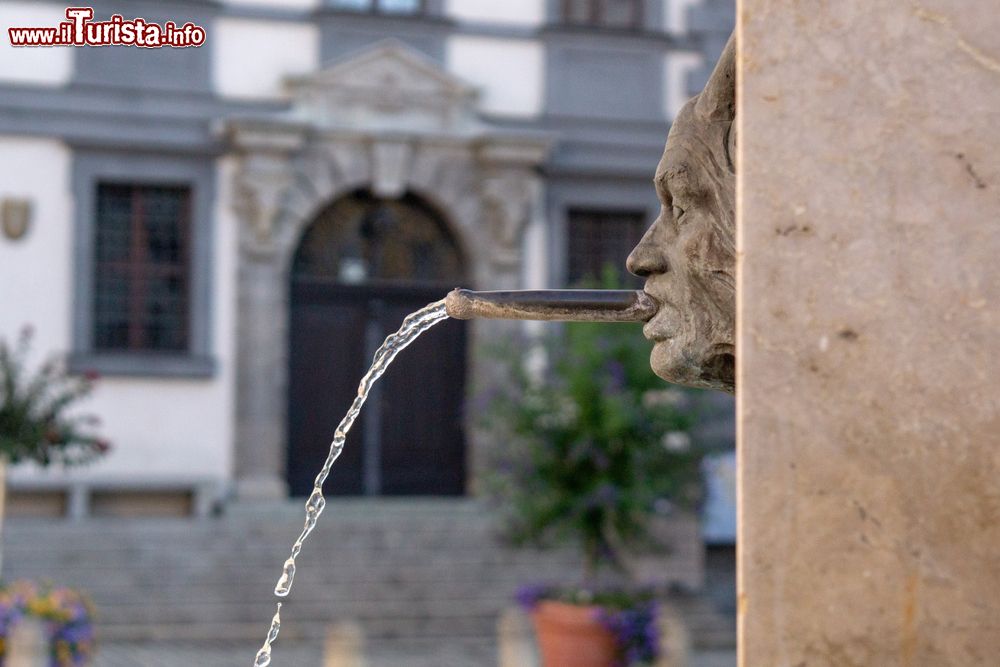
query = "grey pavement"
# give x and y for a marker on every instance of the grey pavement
(714, 659)
(469, 654)
(297, 654)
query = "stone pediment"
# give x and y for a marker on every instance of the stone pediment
(386, 86)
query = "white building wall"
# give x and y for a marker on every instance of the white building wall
(275, 4)
(36, 271)
(33, 65)
(510, 73)
(676, 68)
(675, 15)
(251, 58)
(527, 13)
(160, 429)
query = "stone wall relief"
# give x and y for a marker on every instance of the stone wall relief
(261, 182)
(508, 199)
(390, 165)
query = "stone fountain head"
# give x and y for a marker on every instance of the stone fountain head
(688, 255)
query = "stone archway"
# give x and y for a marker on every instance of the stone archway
(390, 121)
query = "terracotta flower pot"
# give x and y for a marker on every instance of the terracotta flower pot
(571, 636)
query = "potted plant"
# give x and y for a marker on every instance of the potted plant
(38, 425)
(36, 421)
(64, 614)
(594, 447)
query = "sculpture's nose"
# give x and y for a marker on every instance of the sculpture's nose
(646, 258)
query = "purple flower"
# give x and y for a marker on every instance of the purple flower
(529, 595)
(65, 614)
(601, 460)
(483, 400)
(606, 495)
(636, 632)
(615, 380)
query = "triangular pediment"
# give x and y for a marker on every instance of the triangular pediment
(390, 64)
(384, 82)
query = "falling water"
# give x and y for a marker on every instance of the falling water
(413, 325)
(263, 658)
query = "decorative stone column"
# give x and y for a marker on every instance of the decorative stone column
(264, 176)
(869, 352)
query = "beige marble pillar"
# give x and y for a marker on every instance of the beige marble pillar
(27, 645)
(869, 333)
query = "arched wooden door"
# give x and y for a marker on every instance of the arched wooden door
(361, 267)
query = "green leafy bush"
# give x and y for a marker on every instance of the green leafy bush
(35, 420)
(591, 444)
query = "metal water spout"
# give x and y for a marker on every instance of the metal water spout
(565, 305)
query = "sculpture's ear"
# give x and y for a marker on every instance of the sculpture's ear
(731, 147)
(718, 100)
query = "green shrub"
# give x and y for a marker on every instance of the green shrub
(35, 420)
(590, 443)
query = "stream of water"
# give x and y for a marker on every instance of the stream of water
(413, 325)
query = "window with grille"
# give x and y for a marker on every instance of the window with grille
(142, 257)
(622, 14)
(598, 239)
(399, 7)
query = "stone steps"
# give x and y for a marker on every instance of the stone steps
(404, 569)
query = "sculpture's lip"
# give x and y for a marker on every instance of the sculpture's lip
(659, 328)
(659, 338)
(655, 336)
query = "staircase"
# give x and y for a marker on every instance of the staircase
(405, 569)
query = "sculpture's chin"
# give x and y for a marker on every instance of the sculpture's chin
(684, 367)
(719, 372)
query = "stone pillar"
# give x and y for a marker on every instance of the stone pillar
(869, 333)
(344, 645)
(261, 380)
(261, 184)
(27, 645)
(516, 645)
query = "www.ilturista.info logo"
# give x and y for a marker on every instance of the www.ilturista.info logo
(82, 30)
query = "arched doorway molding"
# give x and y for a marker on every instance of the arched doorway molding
(398, 239)
(308, 211)
(390, 121)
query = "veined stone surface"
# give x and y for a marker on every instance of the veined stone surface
(868, 378)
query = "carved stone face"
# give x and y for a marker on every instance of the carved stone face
(688, 255)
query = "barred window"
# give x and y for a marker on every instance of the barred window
(598, 239)
(142, 258)
(403, 7)
(623, 14)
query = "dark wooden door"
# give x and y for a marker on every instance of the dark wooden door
(409, 438)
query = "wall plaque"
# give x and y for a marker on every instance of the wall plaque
(15, 216)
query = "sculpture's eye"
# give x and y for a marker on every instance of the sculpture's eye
(678, 212)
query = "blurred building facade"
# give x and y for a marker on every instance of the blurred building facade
(225, 233)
